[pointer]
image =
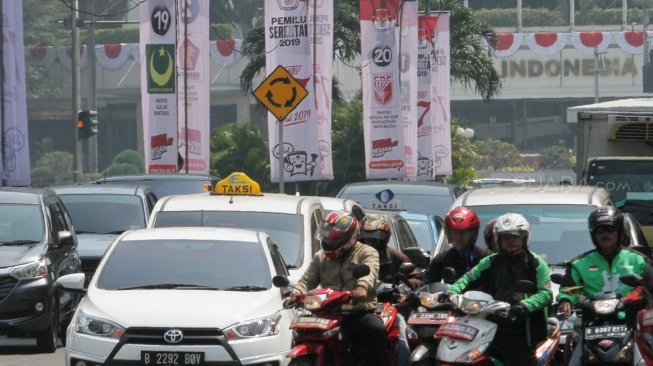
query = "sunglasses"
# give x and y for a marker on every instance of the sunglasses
(605, 229)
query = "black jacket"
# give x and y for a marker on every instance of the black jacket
(452, 258)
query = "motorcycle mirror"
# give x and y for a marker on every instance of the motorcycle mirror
(562, 280)
(418, 256)
(449, 275)
(406, 268)
(360, 270)
(631, 280)
(525, 286)
(280, 281)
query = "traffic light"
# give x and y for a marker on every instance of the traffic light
(86, 124)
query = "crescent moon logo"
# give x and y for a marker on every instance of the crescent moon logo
(158, 78)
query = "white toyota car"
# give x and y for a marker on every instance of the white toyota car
(182, 296)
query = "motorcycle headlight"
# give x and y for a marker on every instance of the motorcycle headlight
(605, 306)
(472, 354)
(313, 302)
(428, 300)
(263, 327)
(471, 306)
(91, 325)
(29, 271)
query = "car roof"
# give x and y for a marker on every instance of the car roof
(100, 189)
(268, 202)
(552, 194)
(400, 187)
(146, 177)
(193, 233)
(24, 195)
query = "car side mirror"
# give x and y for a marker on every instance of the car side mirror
(360, 270)
(65, 238)
(73, 282)
(280, 281)
(418, 256)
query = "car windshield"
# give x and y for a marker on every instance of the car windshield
(425, 204)
(163, 187)
(558, 232)
(285, 229)
(180, 263)
(423, 233)
(104, 213)
(20, 223)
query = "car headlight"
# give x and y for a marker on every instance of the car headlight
(313, 302)
(428, 300)
(263, 327)
(29, 271)
(472, 354)
(90, 325)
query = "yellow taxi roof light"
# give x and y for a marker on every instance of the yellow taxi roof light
(237, 183)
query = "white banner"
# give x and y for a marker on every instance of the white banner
(441, 96)
(382, 120)
(289, 30)
(425, 142)
(193, 65)
(158, 36)
(15, 170)
(408, 69)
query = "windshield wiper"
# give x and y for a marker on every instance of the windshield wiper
(245, 288)
(19, 242)
(85, 232)
(165, 286)
(116, 232)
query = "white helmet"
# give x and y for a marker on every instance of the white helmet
(514, 224)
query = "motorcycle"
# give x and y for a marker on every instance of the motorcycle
(466, 340)
(317, 335)
(643, 350)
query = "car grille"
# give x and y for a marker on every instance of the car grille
(7, 284)
(89, 265)
(155, 336)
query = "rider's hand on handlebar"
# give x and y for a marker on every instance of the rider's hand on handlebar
(359, 294)
(565, 308)
(290, 300)
(518, 311)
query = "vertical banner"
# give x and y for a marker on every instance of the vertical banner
(292, 29)
(15, 145)
(158, 36)
(408, 87)
(382, 120)
(441, 95)
(194, 105)
(425, 141)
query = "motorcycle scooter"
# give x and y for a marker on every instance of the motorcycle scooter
(643, 350)
(466, 340)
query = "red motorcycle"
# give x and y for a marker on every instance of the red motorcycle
(643, 352)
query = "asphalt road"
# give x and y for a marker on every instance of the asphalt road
(22, 352)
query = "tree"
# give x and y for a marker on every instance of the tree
(463, 157)
(556, 157)
(496, 154)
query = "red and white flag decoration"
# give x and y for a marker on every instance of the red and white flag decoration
(226, 52)
(112, 56)
(382, 123)
(44, 55)
(632, 42)
(507, 44)
(65, 57)
(585, 42)
(135, 51)
(546, 44)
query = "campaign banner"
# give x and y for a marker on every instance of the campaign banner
(158, 36)
(408, 85)
(382, 120)
(299, 37)
(441, 96)
(425, 141)
(193, 87)
(15, 170)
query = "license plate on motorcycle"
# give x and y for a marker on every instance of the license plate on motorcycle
(606, 331)
(428, 317)
(310, 322)
(166, 358)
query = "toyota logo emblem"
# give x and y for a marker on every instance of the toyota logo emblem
(173, 336)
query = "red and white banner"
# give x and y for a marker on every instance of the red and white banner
(15, 169)
(546, 44)
(158, 36)
(408, 87)
(65, 57)
(193, 80)
(441, 96)
(44, 55)
(508, 43)
(112, 56)
(382, 120)
(296, 33)
(425, 140)
(226, 52)
(585, 42)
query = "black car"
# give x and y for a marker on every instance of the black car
(37, 246)
(165, 184)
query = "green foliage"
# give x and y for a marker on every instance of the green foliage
(132, 157)
(56, 167)
(41, 177)
(115, 35)
(496, 155)
(121, 169)
(556, 157)
(542, 17)
(91, 177)
(463, 156)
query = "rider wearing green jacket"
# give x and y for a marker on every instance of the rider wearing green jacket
(497, 275)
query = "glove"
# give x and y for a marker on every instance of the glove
(290, 300)
(518, 311)
(636, 298)
(444, 297)
(359, 294)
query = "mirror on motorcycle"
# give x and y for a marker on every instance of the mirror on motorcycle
(360, 270)
(525, 286)
(280, 281)
(418, 256)
(406, 268)
(562, 280)
(631, 280)
(449, 275)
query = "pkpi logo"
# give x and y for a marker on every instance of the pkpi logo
(160, 68)
(383, 89)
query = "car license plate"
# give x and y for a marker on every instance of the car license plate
(606, 331)
(428, 317)
(163, 358)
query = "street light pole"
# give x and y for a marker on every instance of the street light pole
(77, 157)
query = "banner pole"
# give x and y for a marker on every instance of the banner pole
(281, 151)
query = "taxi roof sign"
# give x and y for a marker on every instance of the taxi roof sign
(280, 93)
(237, 183)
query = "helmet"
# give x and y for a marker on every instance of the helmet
(512, 224)
(607, 216)
(338, 233)
(488, 235)
(376, 231)
(462, 219)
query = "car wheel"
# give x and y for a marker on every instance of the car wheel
(46, 341)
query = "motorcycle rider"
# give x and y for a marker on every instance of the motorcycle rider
(598, 270)
(461, 226)
(331, 268)
(497, 274)
(488, 235)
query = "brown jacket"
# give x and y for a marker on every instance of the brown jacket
(337, 273)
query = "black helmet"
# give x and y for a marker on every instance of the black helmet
(488, 235)
(607, 216)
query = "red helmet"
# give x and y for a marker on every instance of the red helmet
(375, 232)
(338, 233)
(462, 219)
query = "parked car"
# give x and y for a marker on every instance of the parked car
(426, 229)
(37, 246)
(182, 296)
(165, 184)
(102, 212)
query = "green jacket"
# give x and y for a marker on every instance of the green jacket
(592, 271)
